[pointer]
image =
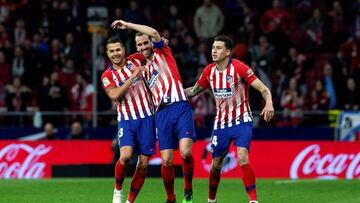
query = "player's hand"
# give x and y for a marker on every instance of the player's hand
(267, 112)
(138, 72)
(166, 41)
(119, 24)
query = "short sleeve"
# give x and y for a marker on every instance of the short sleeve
(204, 78)
(247, 74)
(107, 81)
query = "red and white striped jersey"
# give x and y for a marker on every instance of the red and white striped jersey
(164, 78)
(231, 91)
(136, 102)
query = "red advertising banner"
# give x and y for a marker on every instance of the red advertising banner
(270, 159)
(34, 159)
(286, 159)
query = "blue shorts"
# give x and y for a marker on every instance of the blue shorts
(221, 138)
(140, 134)
(174, 122)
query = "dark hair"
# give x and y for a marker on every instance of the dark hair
(114, 39)
(138, 34)
(227, 41)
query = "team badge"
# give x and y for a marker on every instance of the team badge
(229, 78)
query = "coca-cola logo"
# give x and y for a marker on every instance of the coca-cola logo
(22, 161)
(311, 163)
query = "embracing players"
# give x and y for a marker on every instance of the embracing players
(174, 117)
(229, 80)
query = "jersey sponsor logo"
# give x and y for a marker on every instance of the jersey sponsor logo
(223, 92)
(105, 82)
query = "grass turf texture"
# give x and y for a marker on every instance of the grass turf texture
(86, 190)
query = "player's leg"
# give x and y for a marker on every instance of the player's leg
(120, 172)
(145, 147)
(243, 140)
(167, 143)
(214, 178)
(168, 174)
(185, 130)
(126, 144)
(139, 177)
(220, 142)
(185, 146)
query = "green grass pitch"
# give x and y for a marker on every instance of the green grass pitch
(94, 190)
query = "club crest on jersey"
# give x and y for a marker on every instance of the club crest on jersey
(229, 78)
(223, 92)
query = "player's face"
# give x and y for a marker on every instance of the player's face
(144, 45)
(115, 52)
(219, 51)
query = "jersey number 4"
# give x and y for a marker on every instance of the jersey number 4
(214, 140)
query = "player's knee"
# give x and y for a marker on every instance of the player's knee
(167, 162)
(216, 167)
(125, 158)
(185, 153)
(142, 166)
(243, 159)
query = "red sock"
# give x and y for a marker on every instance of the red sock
(188, 171)
(120, 174)
(136, 184)
(168, 175)
(214, 180)
(249, 181)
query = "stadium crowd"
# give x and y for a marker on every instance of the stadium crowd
(305, 51)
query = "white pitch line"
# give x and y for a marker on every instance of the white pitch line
(279, 182)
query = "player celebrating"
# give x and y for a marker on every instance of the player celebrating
(229, 80)
(174, 117)
(123, 83)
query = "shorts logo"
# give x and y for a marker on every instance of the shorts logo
(105, 82)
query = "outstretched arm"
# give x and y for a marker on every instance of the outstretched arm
(154, 34)
(268, 110)
(194, 90)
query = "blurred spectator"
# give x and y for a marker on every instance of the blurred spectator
(20, 33)
(319, 97)
(19, 62)
(49, 131)
(77, 132)
(314, 29)
(277, 17)
(208, 20)
(5, 72)
(18, 96)
(172, 16)
(330, 86)
(352, 100)
(4, 37)
(292, 103)
(82, 94)
(134, 14)
(67, 75)
(338, 30)
(263, 54)
(71, 49)
(4, 11)
(350, 50)
(203, 59)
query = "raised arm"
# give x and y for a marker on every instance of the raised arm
(116, 93)
(194, 90)
(268, 110)
(154, 34)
